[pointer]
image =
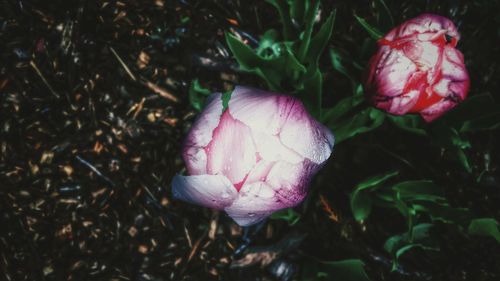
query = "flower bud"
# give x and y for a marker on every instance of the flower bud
(253, 158)
(417, 69)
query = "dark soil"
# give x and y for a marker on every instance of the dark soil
(93, 109)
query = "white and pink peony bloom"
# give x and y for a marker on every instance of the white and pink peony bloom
(256, 157)
(417, 69)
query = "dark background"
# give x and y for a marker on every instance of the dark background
(88, 148)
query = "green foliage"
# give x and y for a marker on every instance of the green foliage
(197, 94)
(291, 64)
(289, 215)
(345, 270)
(372, 31)
(485, 227)
(361, 203)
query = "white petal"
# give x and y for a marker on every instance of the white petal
(260, 110)
(270, 148)
(196, 160)
(201, 132)
(291, 181)
(212, 191)
(200, 135)
(254, 203)
(231, 152)
(306, 136)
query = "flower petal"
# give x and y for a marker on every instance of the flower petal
(270, 148)
(254, 203)
(200, 135)
(213, 191)
(231, 152)
(306, 136)
(291, 181)
(260, 110)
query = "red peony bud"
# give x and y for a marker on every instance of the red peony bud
(417, 69)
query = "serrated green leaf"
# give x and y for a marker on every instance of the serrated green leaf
(374, 32)
(485, 227)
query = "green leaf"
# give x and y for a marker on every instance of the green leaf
(268, 45)
(342, 107)
(364, 121)
(289, 215)
(423, 190)
(346, 270)
(297, 9)
(275, 71)
(306, 35)
(197, 95)
(311, 94)
(361, 202)
(385, 18)
(286, 21)
(319, 42)
(419, 233)
(339, 61)
(443, 212)
(418, 237)
(374, 181)
(410, 123)
(463, 159)
(471, 108)
(485, 227)
(361, 205)
(487, 122)
(374, 32)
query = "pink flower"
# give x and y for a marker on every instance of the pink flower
(417, 69)
(256, 157)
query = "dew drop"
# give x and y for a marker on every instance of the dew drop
(251, 214)
(225, 195)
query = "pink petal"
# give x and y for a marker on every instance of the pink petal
(393, 72)
(260, 110)
(270, 148)
(200, 135)
(259, 171)
(212, 191)
(254, 203)
(290, 181)
(433, 112)
(427, 23)
(306, 136)
(231, 151)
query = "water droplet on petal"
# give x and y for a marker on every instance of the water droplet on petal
(251, 214)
